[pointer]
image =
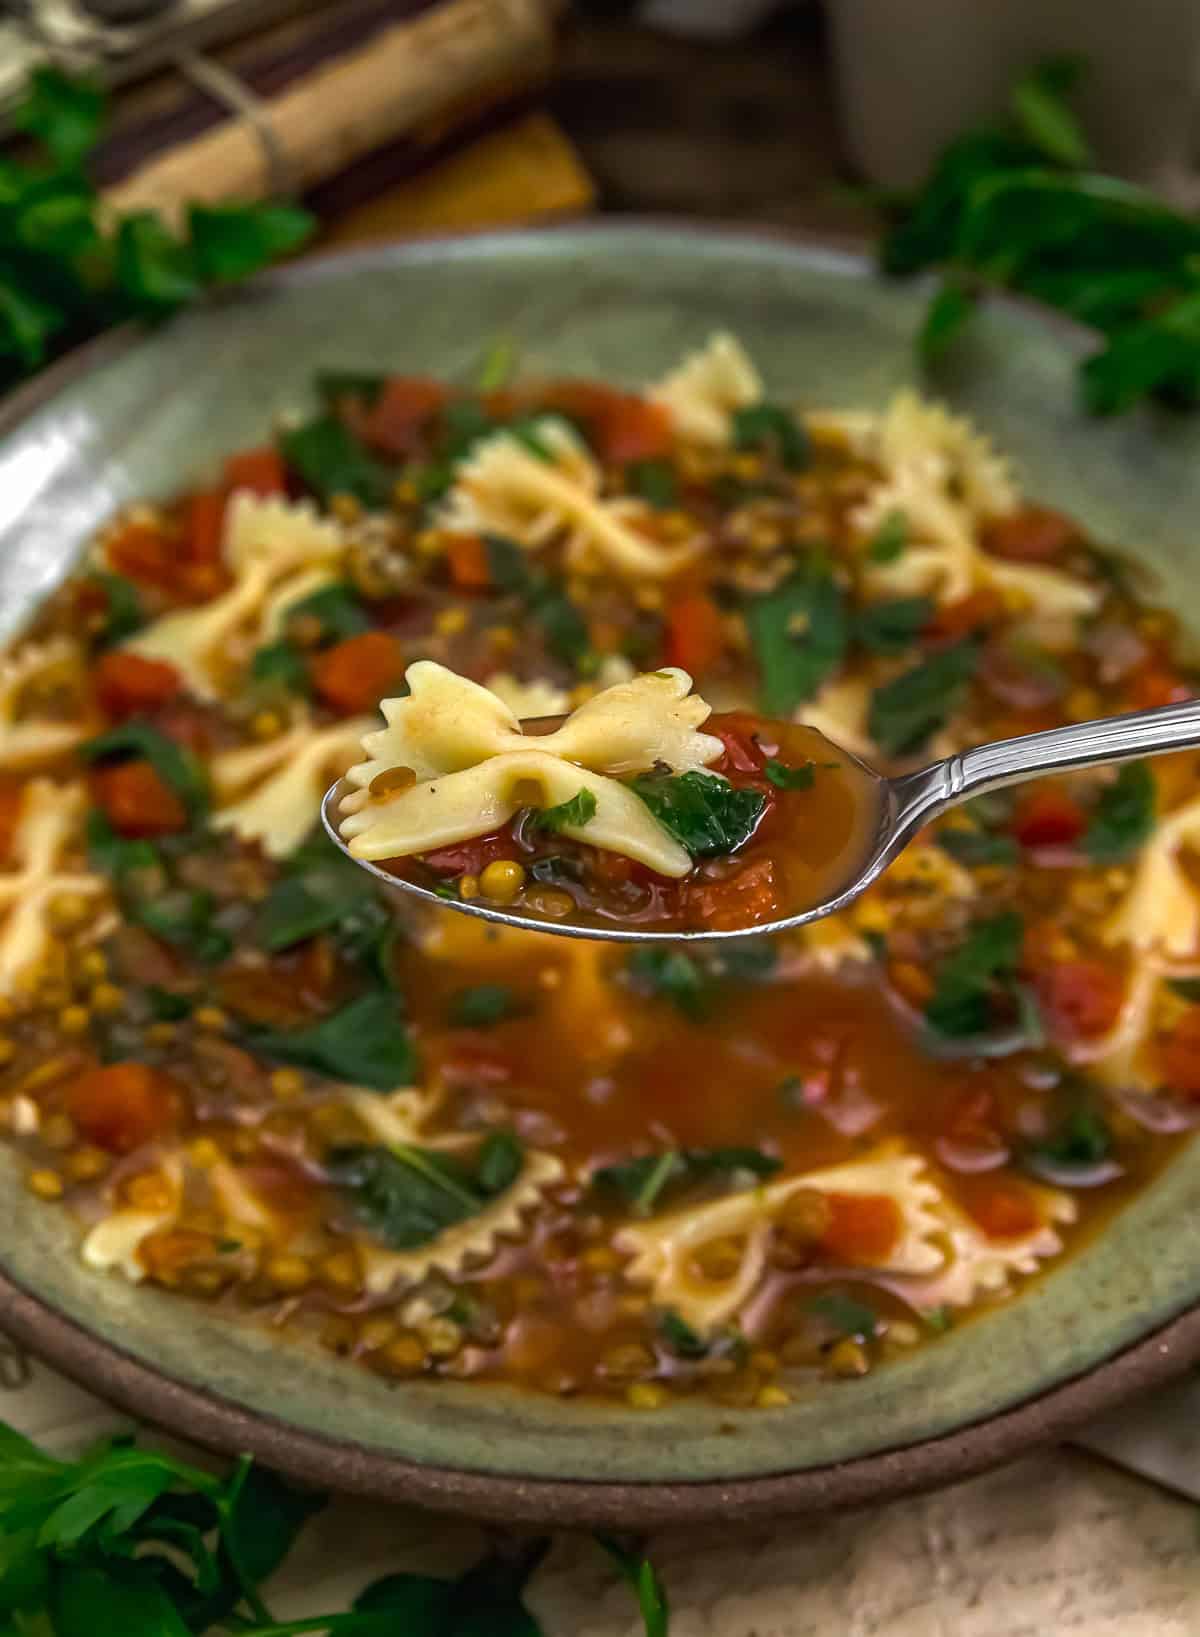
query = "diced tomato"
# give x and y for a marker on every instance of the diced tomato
(137, 802)
(863, 1228)
(621, 425)
(259, 470)
(127, 683)
(959, 619)
(1157, 684)
(1047, 817)
(144, 552)
(469, 857)
(695, 634)
(205, 527)
(1080, 999)
(1035, 534)
(1003, 1210)
(736, 730)
(123, 1105)
(467, 557)
(741, 899)
(1179, 1056)
(401, 412)
(354, 675)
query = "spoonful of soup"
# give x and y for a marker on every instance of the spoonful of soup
(644, 816)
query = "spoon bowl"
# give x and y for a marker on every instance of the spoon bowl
(904, 804)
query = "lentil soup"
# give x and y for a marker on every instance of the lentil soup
(438, 1148)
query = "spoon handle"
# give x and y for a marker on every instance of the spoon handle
(1057, 750)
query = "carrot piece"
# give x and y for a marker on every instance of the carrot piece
(1081, 1000)
(862, 1228)
(467, 556)
(695, 634)
(205, 524)
(137, 802)
(401, 412)
(959, 619)
(632, 428)
(1035, 534)
(123, 1105)
(127, 683)
(259, 470)
(354, 675)
(1179, 1056)
(1048, 818)
(1003, 1211)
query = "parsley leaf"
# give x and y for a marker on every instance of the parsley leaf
(407, 1195)
(799, 634)
(174, 765)
(977, 847)
(672, 974)
(567, 815)
(679, 1336)
(365, 1043)
(123, 612)
(154, 268)
(912, 706)
(968, 979)
(891, 627)
(337, 609)
(330, 460)
(283, 664)
(774, 429)
(706, 816)
(889, 539)
(64, 114)
(653, 481)
(230, 242)
(1123, 818)
(482, 1005)
(640, 1181)
(1044, 117)
(784, 777)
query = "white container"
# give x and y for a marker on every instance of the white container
(912, 74)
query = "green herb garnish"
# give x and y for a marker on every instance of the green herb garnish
(330, 461)
(1123, 818)
(649, 1589)
(1082, 1141)
(890, 538)
(123, 612)
(914, 705)
(673, 975)
(281, 664)
(679, 1336)
(184, 918)
(968, 980)
(320, 890)
(174, 765)
(772, 428)
(483, 1005)
(337, 609)
(706, 816)
(799, 633)
(653, 481)
(891, 627)
(977, 847)
(407, 1195)
(784, 777)
(642, 1180)
(365, 1044)
(573, 814)
(848, 1317)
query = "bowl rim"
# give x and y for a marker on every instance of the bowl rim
(153, 1395)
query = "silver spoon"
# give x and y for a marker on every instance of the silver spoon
(907, 802)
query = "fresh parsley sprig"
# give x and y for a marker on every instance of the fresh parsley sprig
(69, 268)
(135, 1542)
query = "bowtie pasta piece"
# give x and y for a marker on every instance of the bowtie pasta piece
(663, 1252)
(505, 489)
(475, 768)
(981, 1266)
(47, 832)
(704, 391)
(468, 1243)
(1161, 910)
(26, 738)
(399, 1117)
(290, 775)
(115, 1241)
(277, 551)
(528, 699)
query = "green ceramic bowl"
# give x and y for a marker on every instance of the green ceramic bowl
(142, 416)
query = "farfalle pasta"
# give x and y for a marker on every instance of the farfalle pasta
(430, 1146)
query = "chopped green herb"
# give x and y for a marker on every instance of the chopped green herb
(968, 980)
(1082, 1141)
(165, 1005)
(483, 1005)
(497, 365)
(364, 1044)
(337, 609)
(1044, 118)
(938, 1319)
(563, 627)
(784, 777)
(174, 765)
(1186, 988)
(642, 1180)
(673, 975)
(184, 918)
(283, 664)
(774, 429)
(229, 242)
(320, 890)
(848, 1317)
(744, 960)
(118, 857)
(123, 612)
(977, 847)
(330, 461)
(706, 816)
(407, 1195)
(889, 539)
(653, 481)
(891, 627)
(799, 634)
(574, 814)
(1123, 818)
(64, 113)
(914, 705)
(679, 1336)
